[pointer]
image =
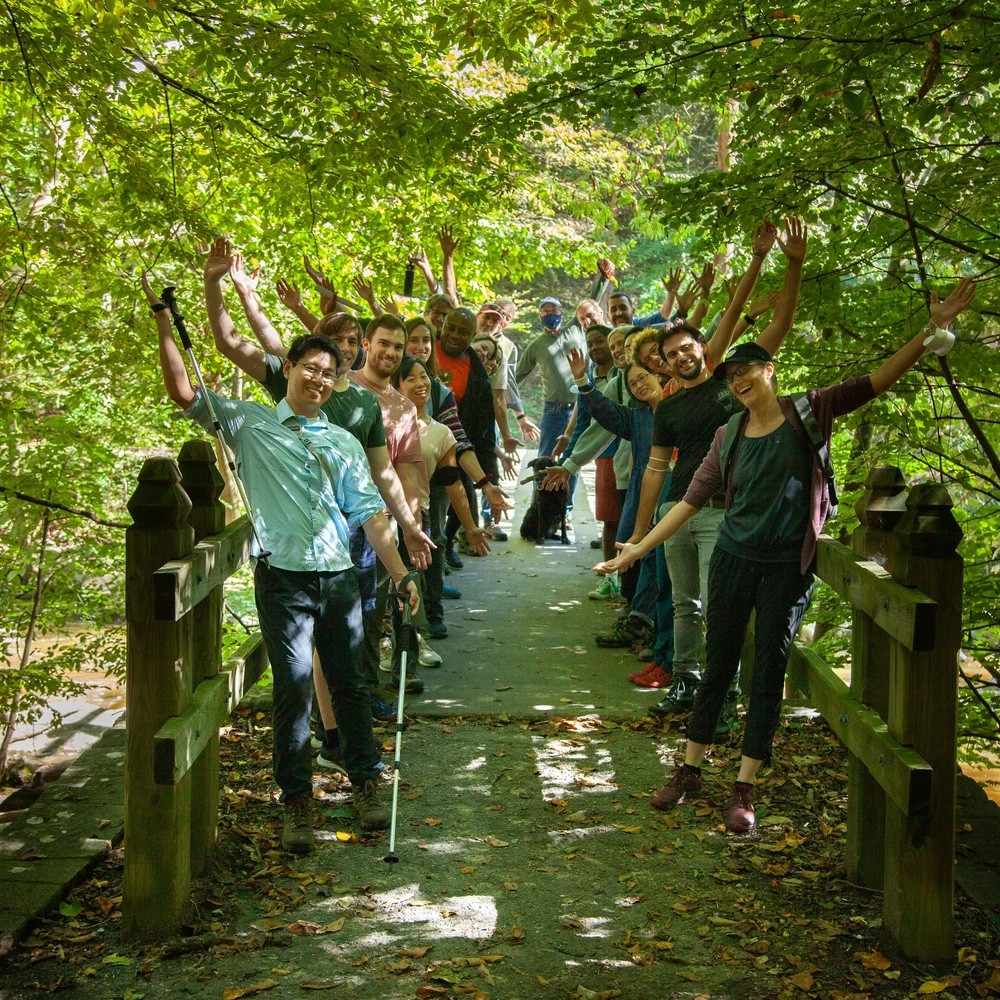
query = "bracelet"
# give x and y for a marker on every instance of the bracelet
(485, 481)
(158, 307)
(748, 319)
(758, 254)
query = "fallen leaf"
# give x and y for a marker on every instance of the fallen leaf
(237, 992)
(347, 837)
(467, 869)
(939, 985)
(510, 885)
(433, 822)
(875, 960)
(318, 986)
(401, 966)
(335, 926)
(415, 952)
(496, 842)
(803, 980)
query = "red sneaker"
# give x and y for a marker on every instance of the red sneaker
(655, 678)
(641, 673)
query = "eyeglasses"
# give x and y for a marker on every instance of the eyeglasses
(736, 372)
(326, 375)
(637, 380)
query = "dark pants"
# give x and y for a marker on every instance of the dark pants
(434, 574)
(490, 465)
(780, 595)
(298, 611)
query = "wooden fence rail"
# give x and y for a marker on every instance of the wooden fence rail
(178, 554)
(898, 719)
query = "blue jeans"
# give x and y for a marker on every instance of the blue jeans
(780, 595)
(298, 610)
(688, 553)
(555, 420)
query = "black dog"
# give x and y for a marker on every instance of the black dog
(547, 513)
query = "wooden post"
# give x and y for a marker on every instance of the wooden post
(923, 707)
(203, 483)
(879, 509)
(155, 895)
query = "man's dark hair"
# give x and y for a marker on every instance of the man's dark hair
(308, 342)
(675, 327)
(599, 328)
(384, 322)
(337, 324)
(466, 314)
(622, 295)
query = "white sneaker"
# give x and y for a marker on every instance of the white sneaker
(427, 657)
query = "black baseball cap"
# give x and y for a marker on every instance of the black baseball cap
(741, 354)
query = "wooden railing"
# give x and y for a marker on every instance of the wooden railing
(178, 554)
(903, 579)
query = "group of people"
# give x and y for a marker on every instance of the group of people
(378, 468)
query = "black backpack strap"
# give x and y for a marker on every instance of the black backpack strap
(726, 453)
(820, 445)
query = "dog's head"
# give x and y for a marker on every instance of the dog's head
(541, 465)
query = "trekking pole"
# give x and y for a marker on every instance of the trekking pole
(404, 633)
(175, 314)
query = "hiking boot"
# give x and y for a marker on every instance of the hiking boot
(331, 754)
(726, 718)
(607, 590)
(373, 816)
(678, 699)
(685, 784)
(655, 677)
(297, 835)
(451, 556)
(740, 816)
(624, 634)
(427, 657)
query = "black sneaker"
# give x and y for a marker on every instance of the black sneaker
(297, 835)
(414, 685)
(451, 557)
(678, 699)
(382, 710)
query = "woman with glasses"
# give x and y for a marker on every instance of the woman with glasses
(776, 503)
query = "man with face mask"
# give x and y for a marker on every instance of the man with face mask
(548, 353)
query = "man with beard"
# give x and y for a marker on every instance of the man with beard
(687, 420)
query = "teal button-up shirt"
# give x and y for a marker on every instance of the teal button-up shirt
(306, 478)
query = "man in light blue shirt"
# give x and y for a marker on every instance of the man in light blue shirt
(307, 480)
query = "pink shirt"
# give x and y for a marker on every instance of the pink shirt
(402, 431)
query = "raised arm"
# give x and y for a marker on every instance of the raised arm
(262, 327)
(763, 240)
(449, 244)
(291, 298)
(419, 258)
(366, 291)
(175, 376)
(794, 248)
(229, 343)
(942, 314)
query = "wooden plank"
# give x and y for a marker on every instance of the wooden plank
(181, 739)
(907, 615)
(181, 584)
(245, 668)
(899, 770)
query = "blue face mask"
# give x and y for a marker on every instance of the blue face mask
(552, 321)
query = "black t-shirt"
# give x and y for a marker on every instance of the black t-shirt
(687, 420)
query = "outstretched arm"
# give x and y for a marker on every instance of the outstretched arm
(380, 535)
(175, 376)
(628, 552)
(794, 248)
(942, 314)
(763, 240)
(291, 298)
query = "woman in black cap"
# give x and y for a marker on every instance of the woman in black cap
(777, 500)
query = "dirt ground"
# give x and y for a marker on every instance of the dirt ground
(530, 866)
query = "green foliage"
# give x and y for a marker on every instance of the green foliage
(547, 134)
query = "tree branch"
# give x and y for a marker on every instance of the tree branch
(52, 505)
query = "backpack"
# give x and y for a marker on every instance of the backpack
(813, 433)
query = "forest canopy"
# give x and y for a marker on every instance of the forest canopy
(546, 135)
